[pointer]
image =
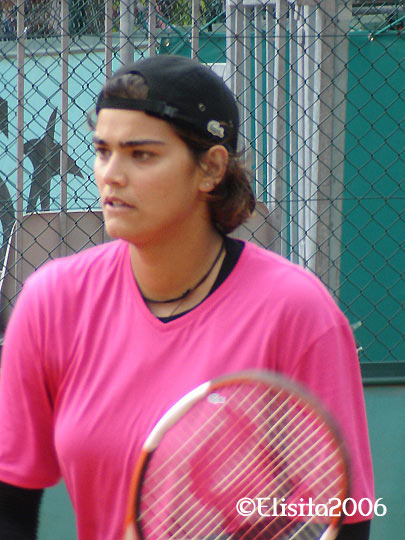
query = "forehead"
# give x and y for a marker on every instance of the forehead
(123, 124)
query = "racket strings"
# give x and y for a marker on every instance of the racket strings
(308, 523)
(290, 490)
(157, 487)
(314, 528)
(218, 443)
(191, 515)
(233, 476)
(202, 427)
(189, 440)
(274, 449)
(192, 531)
(249, 455)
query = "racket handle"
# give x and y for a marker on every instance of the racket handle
(130, 533)
(329, 534)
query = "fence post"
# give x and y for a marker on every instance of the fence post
(333, 24)
(20, 146)
(63, 226)
(152, 28)
(108, 27)
(279, 204)
(195, 31)
(126, 30)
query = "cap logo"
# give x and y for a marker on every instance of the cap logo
(215, 128)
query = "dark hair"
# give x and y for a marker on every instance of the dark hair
(232, 201)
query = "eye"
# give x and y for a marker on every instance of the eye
(101, 152)
(142, 155)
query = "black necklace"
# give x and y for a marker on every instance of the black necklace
(178, 298)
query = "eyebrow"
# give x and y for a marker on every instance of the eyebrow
(128, 144)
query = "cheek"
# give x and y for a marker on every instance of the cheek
(166, 184)
(184, 179)
(99, 171)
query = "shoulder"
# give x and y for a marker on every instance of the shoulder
(75, 276)
(294, 289)
(268, 265)
(60, 291)
(83, 265)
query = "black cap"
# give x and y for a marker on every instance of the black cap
(182, 91)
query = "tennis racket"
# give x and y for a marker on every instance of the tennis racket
(247, 456)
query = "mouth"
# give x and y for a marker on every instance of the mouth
(111, 202)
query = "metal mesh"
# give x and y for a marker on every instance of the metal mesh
(320, 85)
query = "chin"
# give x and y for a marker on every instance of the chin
(116, 232)
(122, 233)
(117, 227)
(112, 232)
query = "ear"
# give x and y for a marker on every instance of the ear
(213, 165)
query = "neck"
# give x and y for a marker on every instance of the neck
(167, 271)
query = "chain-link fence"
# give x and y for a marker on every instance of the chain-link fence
(320, 86)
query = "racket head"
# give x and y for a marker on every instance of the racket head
(254, 435)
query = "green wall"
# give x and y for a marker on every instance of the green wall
(385, 413)
(57, 520)
(373, 252)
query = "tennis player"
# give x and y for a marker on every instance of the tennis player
(102, 343)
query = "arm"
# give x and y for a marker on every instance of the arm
(330, 370)
(355, 531)
(27, 454)
(19, 512)
(318, 351)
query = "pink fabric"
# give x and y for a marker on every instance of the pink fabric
(88, 370)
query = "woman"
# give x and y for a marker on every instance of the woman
(102, 343)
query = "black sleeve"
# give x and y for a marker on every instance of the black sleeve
(19, 512)
(355, 531)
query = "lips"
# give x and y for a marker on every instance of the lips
(113, 202)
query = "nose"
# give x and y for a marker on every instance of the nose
(113, 171)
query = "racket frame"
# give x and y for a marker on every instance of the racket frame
(184, 404)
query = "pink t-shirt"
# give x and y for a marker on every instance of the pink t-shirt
(88, 370)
